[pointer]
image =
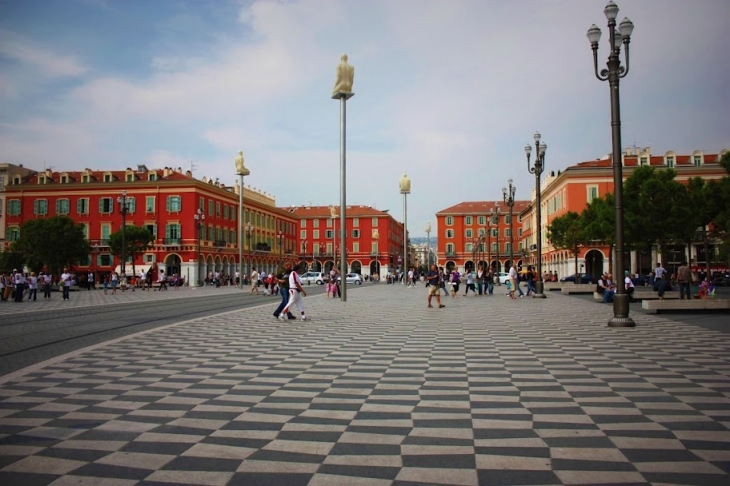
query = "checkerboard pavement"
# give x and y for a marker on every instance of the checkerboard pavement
(380, 390)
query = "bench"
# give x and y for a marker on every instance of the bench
(571, 288)
(655, 306)
(642, 296)
(552, 286)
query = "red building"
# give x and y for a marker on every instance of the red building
(476, 232)
(194, 222)
(374, 239)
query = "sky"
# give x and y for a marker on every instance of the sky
(448, 91)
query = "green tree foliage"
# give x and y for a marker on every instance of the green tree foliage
(10, 259)
(54, 242)
(719, 194)
(136, 241)
(567, 232)
(599, 223)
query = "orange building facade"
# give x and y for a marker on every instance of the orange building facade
(374, 239)
(573, 188)
(477, 232)
(166, 202)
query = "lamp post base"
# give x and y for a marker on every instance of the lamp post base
(539, 294)
(621, 312)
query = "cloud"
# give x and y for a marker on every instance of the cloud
(45, 62)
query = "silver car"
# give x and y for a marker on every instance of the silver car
(312, 277)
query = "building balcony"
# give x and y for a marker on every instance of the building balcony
(220, 243)
(172, 241)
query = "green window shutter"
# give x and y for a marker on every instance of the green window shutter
(167, 226)
(58, 207)
(169, 202)
(131, 204)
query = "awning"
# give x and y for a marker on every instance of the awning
(137, 269)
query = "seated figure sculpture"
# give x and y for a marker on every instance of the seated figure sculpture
(344, 76)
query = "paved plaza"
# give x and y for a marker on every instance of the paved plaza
(380, 390)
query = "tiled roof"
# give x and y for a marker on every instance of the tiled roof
(654, 161)
(481, 207)
(355, 211)
(118, 175)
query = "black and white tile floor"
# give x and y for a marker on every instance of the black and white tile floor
(380, 390)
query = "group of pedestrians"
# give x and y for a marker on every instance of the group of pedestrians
(15, 286)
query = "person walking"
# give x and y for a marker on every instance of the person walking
(19, 286)
(434, 280)
(66, 280)
(469, 283)
(32, 287)
(629, 285)
(115, 282)
(684, 279)
(296, 292)
(45, 280)
(455, 280)
(513, 279)
(3, 286)
(254, 281)
(282, 276)
(90, 281)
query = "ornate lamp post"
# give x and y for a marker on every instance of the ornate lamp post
(508, 195)
(124, 208)
(537, 169)
(495, 213)
(199, 222)
(333, 216)
(613, 74)
(428, 245)
(280, 240)
(405, 189)
(249, 230)
(242, 171)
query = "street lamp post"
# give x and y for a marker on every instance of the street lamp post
(242, 171)
(405, 189)
(333, 216)
(376, 237)
(537, 168)
(199, 221)
(248, 229)
(122, 200)
(613, 75)
(428, 244)
(280, 240)
(495, 213)
(508, 195)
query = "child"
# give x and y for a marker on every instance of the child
(329, 289)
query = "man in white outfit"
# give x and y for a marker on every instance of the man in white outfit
(296, 292)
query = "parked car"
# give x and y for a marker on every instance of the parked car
(721, 281)
(585, 278)
(313, 277)
(503, 277)
(353, 278)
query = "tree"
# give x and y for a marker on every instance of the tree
(55, 242)
(10, 258)
(567, 233)
(719, 194)
(136, 241)
(599, 224)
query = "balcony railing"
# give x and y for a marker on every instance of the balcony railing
(171, 241)
(220, 243)
(451, 253)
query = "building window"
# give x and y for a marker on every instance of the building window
(152, 176)
(232, 213)
(329, 248)
(85, 178)
(468, 248)
(64, 179)
(520, 232)
(374, 249)
(211, 207)
(40, 207)
(203, 232)
(315, 234)
(449, 233)
(355, 222)
(356, 233)
(106, 205)
(508, 247)
(449, 220)
(698, 160)
(201, 203)
(356, 247)
(644, 161)
(129, 177)
(469, 233)
(13, 233)
(106, 230)
(13, 207)
(469, 220)
(82, 205)
(329, 222)
(149, 204)
(62, 206)
(152, 228)
(172, 232)
(218, 209)
(174, 204)
(449, 248)
(508, 219)
(105, 260)
(302, 223)
(495, 232)
(41, 179)
(375, 222)
(495, 247)
(482, 220)
(592, 193)
(670, 161)
(329, 234)
(507, 232)
(107, 177)
(303, 234)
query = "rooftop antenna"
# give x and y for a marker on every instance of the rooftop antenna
(45, 167)
(193, 166)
